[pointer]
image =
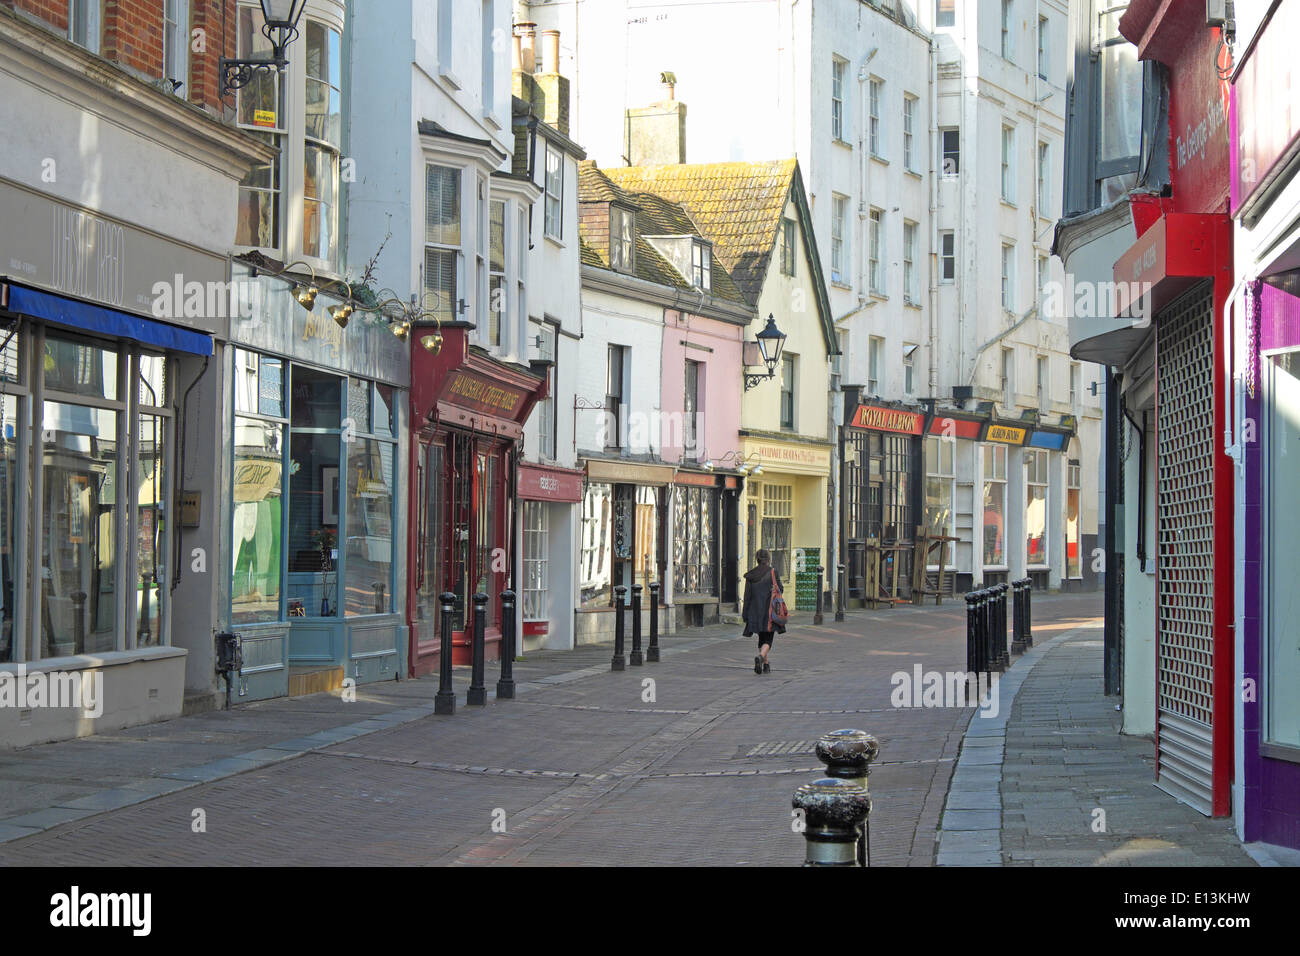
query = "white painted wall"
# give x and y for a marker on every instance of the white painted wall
(610, 319)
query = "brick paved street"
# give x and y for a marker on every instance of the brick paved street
(584, 770)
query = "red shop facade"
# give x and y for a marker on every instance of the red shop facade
(467, 423)
(1178, 274)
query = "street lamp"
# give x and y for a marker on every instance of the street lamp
(770, 342)
(280, 27)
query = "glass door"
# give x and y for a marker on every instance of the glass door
(315, 492)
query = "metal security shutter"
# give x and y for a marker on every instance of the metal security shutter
(1185, 615)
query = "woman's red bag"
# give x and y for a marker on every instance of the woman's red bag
(777, 612)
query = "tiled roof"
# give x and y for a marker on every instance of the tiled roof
(738, 206)
(656, 215)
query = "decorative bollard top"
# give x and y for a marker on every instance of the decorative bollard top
(832, 804)
(447, 598)
(480, 598)
(508, 596)
(848, 754)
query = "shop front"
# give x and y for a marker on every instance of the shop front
(705, 545)
(549, 497)
(1177, 276)
(951, 462)
(89, 373)
(882, 461)
(622, 541)
(317, 423)
(467, 413)
(1265, 324)
(784, 511)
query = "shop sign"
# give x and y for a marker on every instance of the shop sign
(1005, 434)
(1198, 112)
(1267, 110)
(955, 427)
(65, 249)
(483, 395)
(1052, 440)
(690, 478)
(887, 419)
(792, 454)
(545, 484)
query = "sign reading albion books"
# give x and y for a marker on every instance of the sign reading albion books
(887, 419)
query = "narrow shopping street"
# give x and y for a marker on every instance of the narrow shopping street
(593, 767)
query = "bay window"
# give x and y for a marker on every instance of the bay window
(441, 240)
(322, 141)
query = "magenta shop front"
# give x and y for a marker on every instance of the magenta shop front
(1265, 324)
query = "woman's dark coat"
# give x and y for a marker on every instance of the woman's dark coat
(758, 598)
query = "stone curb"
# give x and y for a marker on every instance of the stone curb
(970, 831)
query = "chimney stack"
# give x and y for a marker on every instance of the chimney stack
(656, 134)
(537, 80)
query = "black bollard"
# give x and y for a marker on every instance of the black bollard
(840, 596)
(652, 652)
(477, 695)
(506, 682)
(834, 812)
(618, 662)
(636, 659)
(848, 755)
(817, 615)
(972, 635)
(1003, 590)
(445, 700)
(1029, 626)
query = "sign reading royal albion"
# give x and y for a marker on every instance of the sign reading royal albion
(887, 419)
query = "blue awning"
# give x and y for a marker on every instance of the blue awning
(108, 322)
(1053, 440)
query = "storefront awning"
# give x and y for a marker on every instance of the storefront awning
(100, 320)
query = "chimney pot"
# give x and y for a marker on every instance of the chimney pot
(550, 51)
(528, 48)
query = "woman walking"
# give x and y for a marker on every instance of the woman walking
(757, 607)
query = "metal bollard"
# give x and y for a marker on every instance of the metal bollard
(834, 813)
(1029, 627)
(477, 695)
(840, 596)
(848, 755)
(506, 682)
(618, 662)
(445, 700)
(1000, 625)
(143, 633)
(972, 634)
(636, 658)
(818, 618)
(652, 652)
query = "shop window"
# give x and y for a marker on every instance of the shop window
(1036, 508)
(431, 477)
(368, 586)
(896, 500)
(778, 527)
(536, 564)
(940, 485)
(995, 505)
(645, 563)
(152, 529)
(13, 412)
(597, 541)
(315, 492)
(694, 534)
(490, 559)
(1073, 557)
(258, 460)
(1281, 522)
(79, 533)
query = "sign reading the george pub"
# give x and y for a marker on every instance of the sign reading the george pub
(887, 419)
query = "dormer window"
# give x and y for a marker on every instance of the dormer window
(622, 233)
(701, 265)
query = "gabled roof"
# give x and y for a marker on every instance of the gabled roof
(739, 207)
(655, 216)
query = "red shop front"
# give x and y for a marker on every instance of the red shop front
(467, 417)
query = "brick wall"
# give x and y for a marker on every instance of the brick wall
(593, 226)
(131, 35)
